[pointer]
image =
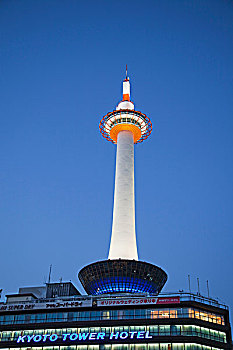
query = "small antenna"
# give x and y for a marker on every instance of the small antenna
(208, 291)
(189, 284)
(198, 286)
(50, 271)
(126, 73)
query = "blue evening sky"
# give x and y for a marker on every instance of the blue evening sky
(62, 63)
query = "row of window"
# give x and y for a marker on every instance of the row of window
(125, 120)
(112, 315)
(156, 346)
(155, 330)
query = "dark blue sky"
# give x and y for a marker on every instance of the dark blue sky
(61, 68)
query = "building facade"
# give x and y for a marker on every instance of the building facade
(115, 322)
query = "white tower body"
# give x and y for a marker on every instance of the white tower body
(124, 127)
(123, 240)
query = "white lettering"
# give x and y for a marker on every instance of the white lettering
(73, 336)
(92, 336)
(100, 335)
(132, 334)
(83, 336)
(21, 339)
(148, 336)
(141, 335)
(65, 336)
(112, 335)
(124, 335)
(30, 337)
(45, 336)
(53, 337)
(37, 338)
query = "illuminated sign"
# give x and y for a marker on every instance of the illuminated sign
(138, 301)
(83, 336)
(59, 304)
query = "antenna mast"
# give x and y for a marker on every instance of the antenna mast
(208, 291)
(50, 271)
(198, 286)
(189, 284)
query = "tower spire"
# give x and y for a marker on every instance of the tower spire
(126, 87)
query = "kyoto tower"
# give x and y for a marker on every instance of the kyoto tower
(122, 272)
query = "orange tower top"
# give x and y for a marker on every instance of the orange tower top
(125, 118)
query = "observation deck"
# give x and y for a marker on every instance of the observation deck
(122, 276)
(125, 119)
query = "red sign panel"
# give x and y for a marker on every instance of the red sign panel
(138, 301)
(168, 300)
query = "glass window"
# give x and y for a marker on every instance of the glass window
(191, 313)
(154, 330)
(140, 347)
(204, 316)
(165, 346)
(178, 346)
(153, 346)
(204, 347)
(62, 316)
(205, 332)
(114, 314)
(222, 336)
(8, 319)
(173, 313)
(137, 313)
(187, 330)
(107, 347)
(40, 317)
(175, 330)
(154, 314)
(196, 347)
(87, 315)
(119, 347)
(19, 318)
(105, 315)
(163, 313)
(51, 317)
(164, 330)
(179, 313)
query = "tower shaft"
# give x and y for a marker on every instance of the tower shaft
(123, 240)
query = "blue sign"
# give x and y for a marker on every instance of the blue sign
(83, 336)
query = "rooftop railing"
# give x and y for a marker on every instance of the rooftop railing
(184, 296)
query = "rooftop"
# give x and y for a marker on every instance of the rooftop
(162, 298)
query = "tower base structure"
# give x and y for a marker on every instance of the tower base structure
(122, 276)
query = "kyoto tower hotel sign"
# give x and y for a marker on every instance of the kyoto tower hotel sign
(122, 272)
